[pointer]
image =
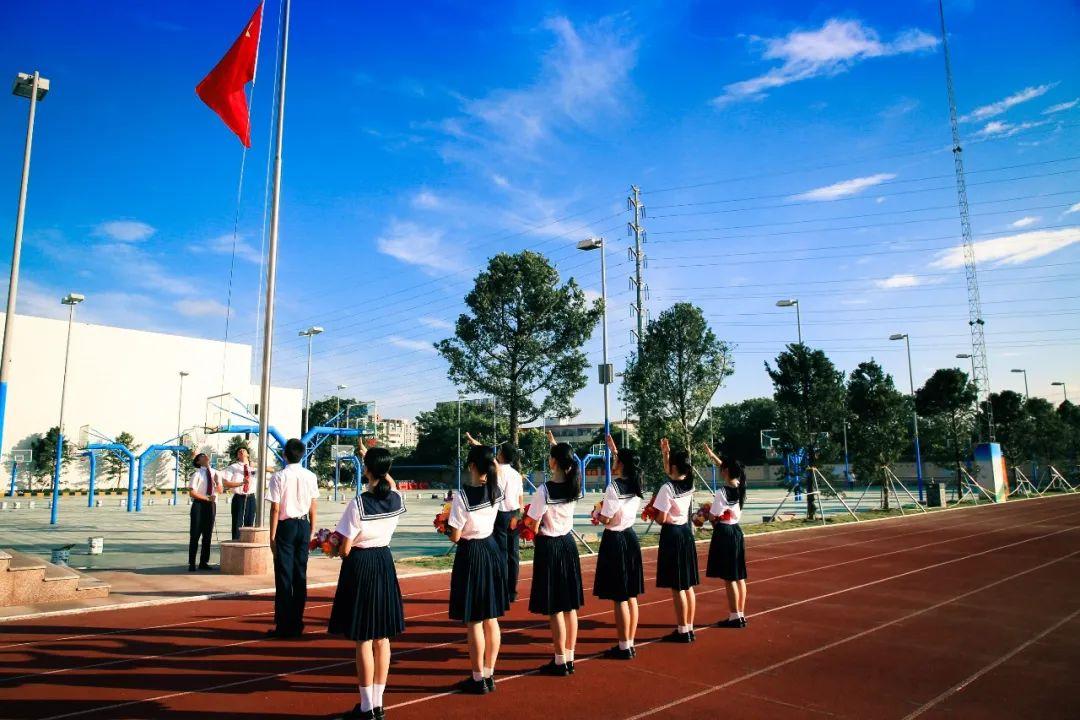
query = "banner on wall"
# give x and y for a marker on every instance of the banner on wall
(989, 470)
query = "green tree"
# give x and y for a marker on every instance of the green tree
(809, 395)
(43, 450)
(115, 465)
(521, 339)
(671, 382)
(1070, 419)
(736, 427)
(1044, 439)
(1011, 419)
(438, 432)
(947, 399)
(533, 450)
(880, 423)
(236, 443)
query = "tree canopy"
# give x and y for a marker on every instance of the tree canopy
(879, 427)
(947, 400)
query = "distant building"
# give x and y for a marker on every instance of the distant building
(581, 434)
(398, 432)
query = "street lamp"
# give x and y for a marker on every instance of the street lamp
(309, 333)
(914, 411)
(606, 370)
(337, 408)
(179, 416)
(35, 88)
(71, 300)
(1064, 389)
(793, 302)
(968, 356)
(1027, 396)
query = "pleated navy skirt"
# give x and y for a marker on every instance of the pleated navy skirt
(727, 553)
(556, 582)
(676, 558)
(619, 574)
(478, 581)
(367, 604)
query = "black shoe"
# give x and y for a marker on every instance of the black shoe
(553, 668)
(693, 637)
(569, 667)
(380, 713)
(742, 621)
(617, 653)
(633, 651)
(205, 567)
(729, 623)
(357, 714)
(677, 637)
(489, 683)
(191, 568)
(275, 633)
(472, 687)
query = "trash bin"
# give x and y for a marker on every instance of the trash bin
(935, 494)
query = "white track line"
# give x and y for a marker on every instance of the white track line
(997, 663)
(214, 648)
(329, 666)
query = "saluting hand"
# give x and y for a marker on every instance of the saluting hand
(471, 440)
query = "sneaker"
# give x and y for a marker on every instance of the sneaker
(617, 653)
(553, 668)
(677, 637)
(472, 687)
(489, 682)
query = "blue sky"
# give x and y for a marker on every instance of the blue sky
(783, 149)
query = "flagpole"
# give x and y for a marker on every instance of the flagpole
(271, 274)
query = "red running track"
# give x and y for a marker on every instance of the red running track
(965, 614)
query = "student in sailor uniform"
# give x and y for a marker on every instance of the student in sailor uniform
(676, 558)
(204, 487)
(478, 582)
(510, 485)
(367, 605)
(619, 574)
(293, 493)
(727, 552)
(240, 478)
(556, 582)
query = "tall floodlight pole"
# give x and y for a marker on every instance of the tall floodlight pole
(309, 334)
(968, 356)
(271, 271)
(914, 412)
(1027, 395)
(1064, 389)
(793, 302)
(606, 371)
(71, 300)
(980, 368)
(35, 88)
(179, 416)
(638, 251)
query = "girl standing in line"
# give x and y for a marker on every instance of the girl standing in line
(619, 574)
(556, 582)
(676, 560)
(367, 604)
(727, 552)
(478, 580)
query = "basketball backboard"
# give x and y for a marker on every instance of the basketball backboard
(338, 452)
(83, 438)
(21, 456)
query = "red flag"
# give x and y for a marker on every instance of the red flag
(223, 88)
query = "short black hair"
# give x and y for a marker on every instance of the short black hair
(509, 453)
(195, 460)
(294, 451)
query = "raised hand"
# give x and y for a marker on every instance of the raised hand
(712, 455)
(471, 440)
(612, 447)
(551, 438)
(665, 447)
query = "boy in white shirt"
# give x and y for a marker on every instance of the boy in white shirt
(293, 493)
(203, 487)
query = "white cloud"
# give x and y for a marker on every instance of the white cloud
(223, 245)
(407, 344)
(591, 296)
(898, 281)
(1061, 107)
(195, 308)
(421, 246)
(1073, 208)
(124, 230)
(138, 269)
(426, 200)
(584, 76)
(879, 200)
(1012, 249)
(999, 129)
(437, 323)
(1026, 221)
(834, 48)
(844, 188)
(1001, 106)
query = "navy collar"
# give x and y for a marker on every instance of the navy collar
(559, 493)
(373, 508)
(476, 497)
(681, 488)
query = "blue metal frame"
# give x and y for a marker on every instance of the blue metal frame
(14, 473)
(142, 466)
(120, 450)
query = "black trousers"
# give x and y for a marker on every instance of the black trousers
(243, 513)
(203, 513)
(290, 574)
(507, 540)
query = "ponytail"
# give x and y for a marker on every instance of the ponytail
(631, 465)
(377, 462)
(482, 458)
(736, 471)
(679, 460)
(567, 462)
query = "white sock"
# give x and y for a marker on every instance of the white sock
(625, 644)
(733, 616)
(489, 672)
(683, 629)
(365, 698)
(741, 614)
(560, 659)
(690, 628)
(377, 691)
(478, 676)
(630, 642)
(569, 656)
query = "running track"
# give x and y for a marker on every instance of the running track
(966, 614)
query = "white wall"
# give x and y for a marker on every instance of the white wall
(125, 380)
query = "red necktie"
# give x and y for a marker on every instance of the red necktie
(209, 484)
(247, 480)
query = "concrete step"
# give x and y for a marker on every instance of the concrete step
(29, 580)
(91, 588)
